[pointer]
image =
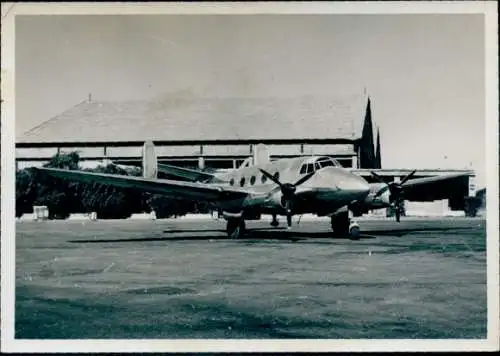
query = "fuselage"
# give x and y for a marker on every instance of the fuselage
(330, 187)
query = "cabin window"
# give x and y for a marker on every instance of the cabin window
(310, 167)
(252, 180)
(303, 169)
(242, 181)
(231, 182)
(263, 179)
(276, 175)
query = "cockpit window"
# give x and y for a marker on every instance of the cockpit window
(327, 162)
(320, 163)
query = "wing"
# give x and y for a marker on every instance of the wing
(437, 187)
(170, 188)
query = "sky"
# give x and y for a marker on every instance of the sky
(424, 73)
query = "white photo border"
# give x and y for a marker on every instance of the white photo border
(10, 10)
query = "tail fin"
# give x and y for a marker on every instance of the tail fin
(261, 154)
(149, 161)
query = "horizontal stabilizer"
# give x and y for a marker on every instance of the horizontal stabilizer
(191, 175)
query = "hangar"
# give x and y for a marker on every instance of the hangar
(221, 133)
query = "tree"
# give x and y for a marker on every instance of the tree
(25, 192)
(64, 161)
(65, 197)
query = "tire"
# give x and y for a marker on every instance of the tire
(354, 231)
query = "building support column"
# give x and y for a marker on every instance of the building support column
(354, 163)
(201, 163)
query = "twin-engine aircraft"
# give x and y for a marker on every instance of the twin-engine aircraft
(287, 187)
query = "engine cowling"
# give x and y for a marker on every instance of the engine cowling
(276, 200)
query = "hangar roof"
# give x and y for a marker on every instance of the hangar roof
(202, 119)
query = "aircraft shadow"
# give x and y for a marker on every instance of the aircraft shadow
(218, 230)
(264, 234)
(261, 235)
(402, 232)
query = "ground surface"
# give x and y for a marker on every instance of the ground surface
(184, 279)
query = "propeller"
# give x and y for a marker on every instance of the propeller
(396, 190)
(288, 192)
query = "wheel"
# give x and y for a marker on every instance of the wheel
(340, 224)
(275, 222)
(235, 228)
(354, 230)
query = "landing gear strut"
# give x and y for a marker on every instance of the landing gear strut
(343, 226)
(235, 228)
(275, 222)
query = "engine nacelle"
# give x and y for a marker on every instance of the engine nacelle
(276, 200)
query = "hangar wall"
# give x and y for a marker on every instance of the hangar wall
(290, 128)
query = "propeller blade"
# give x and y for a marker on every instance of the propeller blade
(288, 191)
(268, 175)
(405, 179)
(377, 177)
(304, 179)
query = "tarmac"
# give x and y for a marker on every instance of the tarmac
(169, 279)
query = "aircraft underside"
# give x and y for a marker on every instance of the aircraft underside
(341, 225)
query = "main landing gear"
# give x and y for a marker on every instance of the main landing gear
(275, 222)
(343, 226)
(235, 228)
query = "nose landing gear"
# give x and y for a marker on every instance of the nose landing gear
(354, 230)
(343, 226)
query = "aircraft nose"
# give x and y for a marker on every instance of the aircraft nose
(355, 185)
